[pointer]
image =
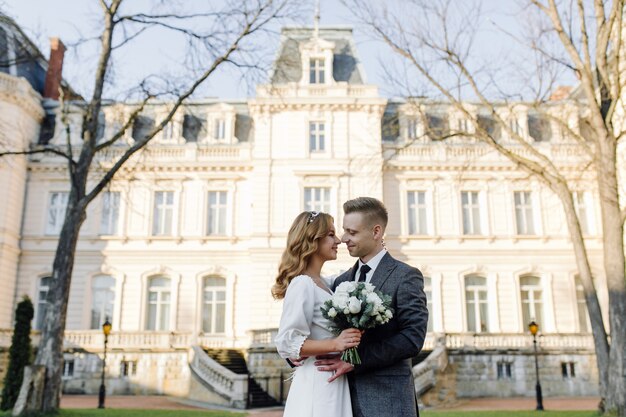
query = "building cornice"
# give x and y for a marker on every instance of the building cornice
(19, 92)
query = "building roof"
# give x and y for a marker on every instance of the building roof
(288, 64)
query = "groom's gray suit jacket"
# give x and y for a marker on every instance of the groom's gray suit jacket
(383, 384)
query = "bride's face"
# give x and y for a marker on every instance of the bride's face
(327, 249)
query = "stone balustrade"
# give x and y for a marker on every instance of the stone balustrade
(94, 340)
(465, 341)
(445, 152)
(424, 373)
(315, 90)
(230, 385)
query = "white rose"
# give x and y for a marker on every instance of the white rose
(354, 305)
(369, 287)
(379, 318)
(388, 314)
(345, 287)
(346, 311)
(340, 301)
(332, 312)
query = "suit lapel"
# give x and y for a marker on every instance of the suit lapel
(385, 268)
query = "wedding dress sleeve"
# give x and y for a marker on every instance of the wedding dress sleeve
(297, 316)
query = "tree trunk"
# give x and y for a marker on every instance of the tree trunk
(50, 350)
(598, 330)
(613, 242)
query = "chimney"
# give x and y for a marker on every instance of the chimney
(55, 69)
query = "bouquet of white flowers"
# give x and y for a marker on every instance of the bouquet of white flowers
(356, 305)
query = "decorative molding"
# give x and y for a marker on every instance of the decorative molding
(19, 92)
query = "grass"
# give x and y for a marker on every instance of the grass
(530, 413)
(190, 413)
(138, 413)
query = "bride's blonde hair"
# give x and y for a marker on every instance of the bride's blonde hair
(302, 243)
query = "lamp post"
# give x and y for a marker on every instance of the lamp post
(106, 330)
(534, 327)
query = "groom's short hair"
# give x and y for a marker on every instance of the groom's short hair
(373, 210)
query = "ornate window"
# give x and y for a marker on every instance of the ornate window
(476, 304)
(219, 129)
(214, 305)
(531, 294)
(317, 137)
(102, 300)
(317, 199)
(417, 213)
(581, 306)
(583, 203)
(470, 205)
(162, 222)
(316, 71)
(110, 213)
(56, 212)
(42, 303)
(159, 302)
(217, 213)
(411, 128)
(524, 213)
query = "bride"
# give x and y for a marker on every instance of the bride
(303, 332)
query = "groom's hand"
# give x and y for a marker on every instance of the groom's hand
(334, 364)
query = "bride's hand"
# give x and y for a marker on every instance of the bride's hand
(348, 338)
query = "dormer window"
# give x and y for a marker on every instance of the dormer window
(316, 71)
(220, 129)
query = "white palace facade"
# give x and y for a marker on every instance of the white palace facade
(181, 250)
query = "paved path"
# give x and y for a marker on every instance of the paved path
(474, 404)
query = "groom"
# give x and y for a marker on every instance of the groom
(382, 385)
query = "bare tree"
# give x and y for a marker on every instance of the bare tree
(435, 43)
(227, 33)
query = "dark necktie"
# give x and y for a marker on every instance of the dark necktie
(364, 270)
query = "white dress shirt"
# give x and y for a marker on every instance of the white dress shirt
(373, 263)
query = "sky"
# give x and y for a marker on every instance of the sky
(71, 19)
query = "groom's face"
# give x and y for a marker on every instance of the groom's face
(358, 235)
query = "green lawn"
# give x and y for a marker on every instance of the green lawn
(426, 413)
(139, 413)
(531, 413)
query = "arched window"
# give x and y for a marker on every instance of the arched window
(531, 294)
(476, 304)
(42, 304)
(214, 305)
(102, 300)
(581, 305)
(159, 301)
(428, 289)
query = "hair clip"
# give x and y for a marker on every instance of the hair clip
(312, 216)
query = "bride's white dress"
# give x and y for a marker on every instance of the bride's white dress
(310, 395)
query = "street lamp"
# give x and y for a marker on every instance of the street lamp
(534, 327)
(106, 330)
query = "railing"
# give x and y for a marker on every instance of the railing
(467, 341)
(223, 381)
(94, 340)
(20, 88)
(424, 373)
(182, 152)
(316, 90)
(442, 152)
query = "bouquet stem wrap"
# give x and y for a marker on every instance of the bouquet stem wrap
(351, 356)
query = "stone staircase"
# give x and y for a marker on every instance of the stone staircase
(234, 360)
